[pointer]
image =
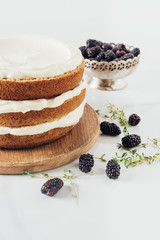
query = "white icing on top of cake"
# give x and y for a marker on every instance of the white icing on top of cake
(34, 56)
(10, 106)
(68, 120)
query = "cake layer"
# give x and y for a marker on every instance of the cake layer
(68, 120)
(19, 119)
(37, 88)
(10, 106)
(13, 141)
(36, 56)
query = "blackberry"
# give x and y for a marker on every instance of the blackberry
(136, 52)
(134, 119)
(121, 46)
(113, 169)
(100, 56)
(127, 56)
(99, 43)
(83, 50)
(115, 49)
(106, 46)
(52, 186)
(91, 43)
(93, 52)
(126, 50)
(110, 129)
(109, 55)
(120, 53)
(131, 141)
(86, 162)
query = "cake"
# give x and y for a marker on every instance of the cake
(42, 93)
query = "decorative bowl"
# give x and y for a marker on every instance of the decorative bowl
(108, 75)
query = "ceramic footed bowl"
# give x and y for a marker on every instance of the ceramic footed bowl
(108, 75)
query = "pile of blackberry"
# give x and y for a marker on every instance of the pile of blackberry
(100, 51)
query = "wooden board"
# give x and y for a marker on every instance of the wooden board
(62, 151)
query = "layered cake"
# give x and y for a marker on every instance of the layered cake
(42, 93)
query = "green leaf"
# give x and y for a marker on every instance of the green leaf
(106, 116)
(119, 145)
(28, 173)
(124, 154)
(98, 111)
(45, 175)
(102, 158)
(134, 151)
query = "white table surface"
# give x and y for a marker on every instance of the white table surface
(124, 209)
(127, 208)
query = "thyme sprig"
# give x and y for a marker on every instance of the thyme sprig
(116, 113)
(155, 142)
(67, 175)
(131, 158)
(120, 115)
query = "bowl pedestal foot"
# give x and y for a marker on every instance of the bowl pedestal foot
(106, 84)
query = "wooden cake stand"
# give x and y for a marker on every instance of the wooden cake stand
(60, 152)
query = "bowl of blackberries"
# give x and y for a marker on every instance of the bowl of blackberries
(106, 64)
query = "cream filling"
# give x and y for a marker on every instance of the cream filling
(8, 106)
(68, 120)
(33, 56)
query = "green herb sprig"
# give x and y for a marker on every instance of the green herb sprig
(67, 175)
(131, 158)
(116, 113)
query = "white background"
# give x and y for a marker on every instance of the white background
(124, 209)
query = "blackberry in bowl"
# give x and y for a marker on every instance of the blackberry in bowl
(107, 63)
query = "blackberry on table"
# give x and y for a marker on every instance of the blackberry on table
(134, 119)
(127, 56)
(131, 141)
(52, 186)
(106, 46)
(86, 162)
(93, 52)
(83, 50)
(136, 52)
(109, 55)
(113, 169)
(110, 129)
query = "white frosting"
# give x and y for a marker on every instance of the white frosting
(36, 56)
(68, 120)
(8, 106)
